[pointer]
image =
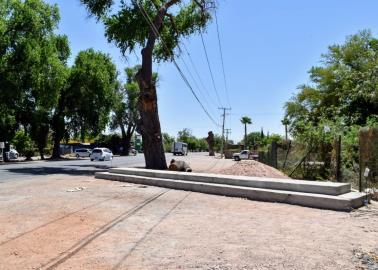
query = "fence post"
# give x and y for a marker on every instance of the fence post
(368, 141)
(273, 154)
(338, 160)
(262, 157)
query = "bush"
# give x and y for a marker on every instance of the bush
(23, 144)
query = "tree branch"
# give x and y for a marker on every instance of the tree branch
(200, 5)
(171, 3)
(170, 16)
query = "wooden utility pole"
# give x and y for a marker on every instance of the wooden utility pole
(228, 132)
(223, 123)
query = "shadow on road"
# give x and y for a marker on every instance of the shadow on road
(98, 166)
(55, 170)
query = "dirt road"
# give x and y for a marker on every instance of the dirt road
(78, 222)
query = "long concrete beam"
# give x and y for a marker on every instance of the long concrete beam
(345, 202)
(326, 188)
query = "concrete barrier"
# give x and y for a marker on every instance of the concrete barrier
(344, 202)
(326, 188)
(325, 195)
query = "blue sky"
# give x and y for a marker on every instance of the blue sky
(268, 48)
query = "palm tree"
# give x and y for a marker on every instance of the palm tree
(246, 121)
(285, 122)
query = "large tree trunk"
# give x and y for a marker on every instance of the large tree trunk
(124, 152)
(150, 127)
(58, 127)
(126, 139)
(147, 103)
(56, 147)
(40, 149)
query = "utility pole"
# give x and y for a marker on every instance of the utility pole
(228, 132)
(224, 120)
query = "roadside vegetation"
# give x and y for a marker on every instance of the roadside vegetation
(340, 99)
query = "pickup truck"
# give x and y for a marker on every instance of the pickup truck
(242, 155)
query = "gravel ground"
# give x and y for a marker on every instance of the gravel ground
(78, 222)
(204, 163)
(252, 168)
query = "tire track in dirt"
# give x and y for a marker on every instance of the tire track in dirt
(63, 217)
(89, 238)
(148, 232)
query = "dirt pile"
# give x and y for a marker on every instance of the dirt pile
(253, 168)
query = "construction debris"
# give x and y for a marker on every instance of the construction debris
(76, 189)
(179, 165)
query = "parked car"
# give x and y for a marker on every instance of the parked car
(101, 154)
(12, 153)
(82, 152)
(133, 151)
(179, 148)
(242, 155)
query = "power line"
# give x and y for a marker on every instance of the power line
(198, 75)
(221, 55)
(208, 65)
(156, 32)
(201, 90)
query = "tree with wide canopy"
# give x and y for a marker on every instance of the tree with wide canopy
(156, 26)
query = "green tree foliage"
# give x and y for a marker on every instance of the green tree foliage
(343, 90)
(194, 143)
(125, 112)
(89, 98)
(135, 24)
(256, 140)
(23, 144)
(111, 141)
(217, 142)
(187, 137)
(342, 96)
(167, 141)
(32, 67)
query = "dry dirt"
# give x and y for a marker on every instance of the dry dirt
(204, 163)
(72, 222)
(252, 168)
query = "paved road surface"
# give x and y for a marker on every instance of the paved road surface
(25, 170)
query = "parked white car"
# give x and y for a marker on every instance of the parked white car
(242, 155)
(12, 153)
(101, 154)
(83, 152)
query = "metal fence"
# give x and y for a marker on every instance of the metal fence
(335, 161)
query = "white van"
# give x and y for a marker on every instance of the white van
(179, 148)
(83, 152)
(101, 154)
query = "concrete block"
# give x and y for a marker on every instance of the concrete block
(345, 202)
(326, 188)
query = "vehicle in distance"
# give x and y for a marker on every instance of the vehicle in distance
(179, 148)
(82, 152)
(133, 152)
(12, 153)
(101, 154)
(245, 154)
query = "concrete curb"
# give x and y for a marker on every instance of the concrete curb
(345, 202)
(326, 188)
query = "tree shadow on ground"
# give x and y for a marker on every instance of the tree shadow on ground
(55, 170)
